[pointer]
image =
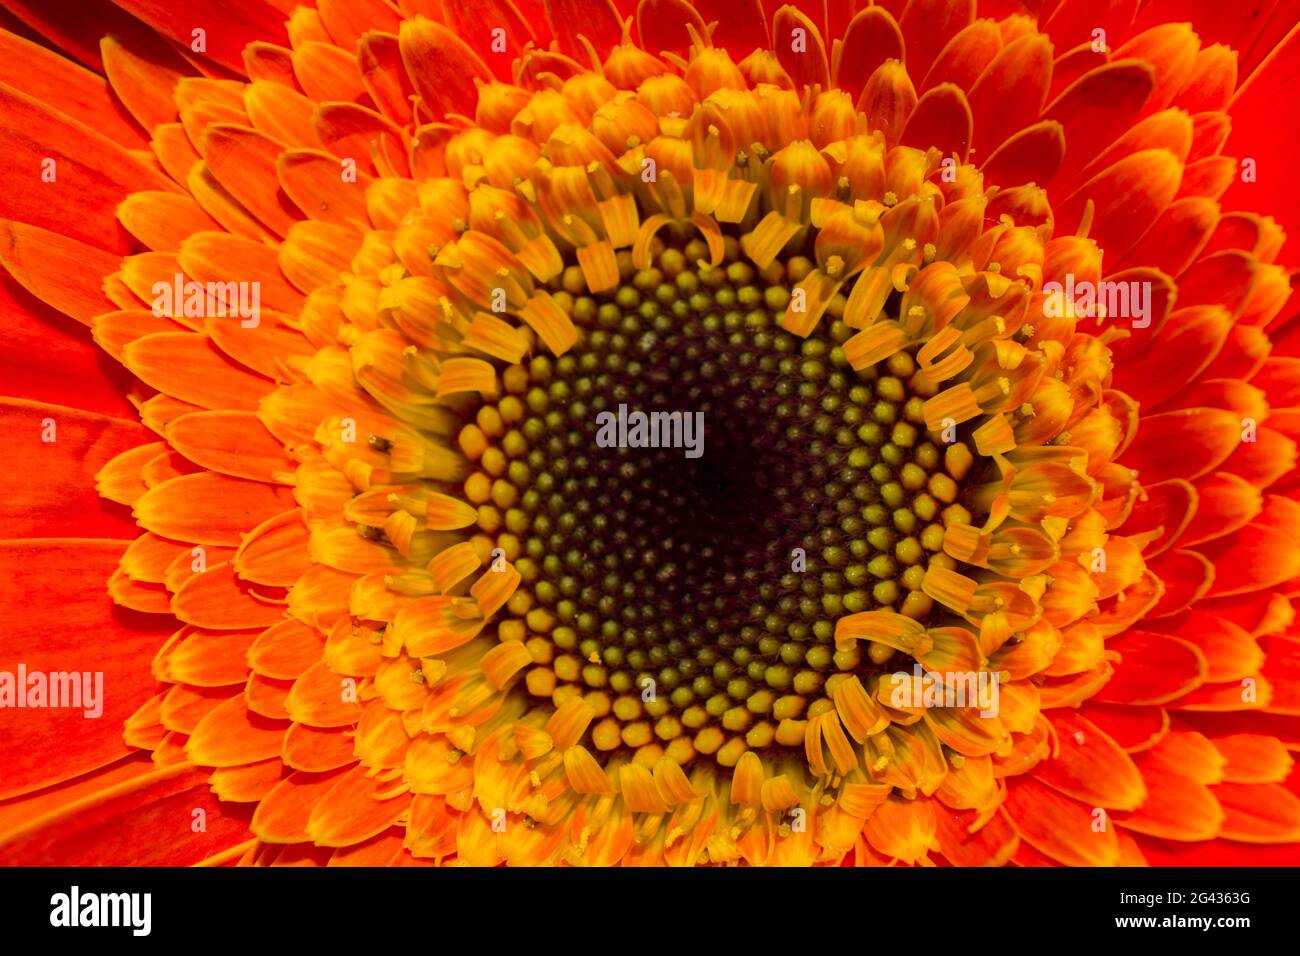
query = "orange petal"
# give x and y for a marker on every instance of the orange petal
(217, 599)
(217, 257)
(1177, 807)
(356, 808)
(208, 508)
(1059, 827)
(229, 736)
(61, 272)
(191, 368)
(249, 783)
(281, 816)
(1090, 767)
(232, 443)
(317, 749)
(442, 67)
(208, 658)
(319, 699)
(244, 162)
(314, 181)
(275, 552)
(143, 70)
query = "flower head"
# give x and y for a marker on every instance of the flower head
(980, 547)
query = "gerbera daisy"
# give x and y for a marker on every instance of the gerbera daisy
(972, 568)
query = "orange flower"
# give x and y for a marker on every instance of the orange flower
(951, 514)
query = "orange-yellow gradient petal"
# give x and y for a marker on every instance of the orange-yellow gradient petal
(960, 524)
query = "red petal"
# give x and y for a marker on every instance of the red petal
(442, 67)
(597, 20)
(1230, 651)
(1252, 559)
(49, 487)
(1177, 807)
(121, 826)
(229, 29)
(1186, 575)
(1153, 669)
(1009, 95)
(1164, 509)
(927, 25)
(91, 173)
(80, 630)
(942, 118)
(48, 77)
(872, 38)
(1133, 728)
(805, 68)
(1257, 134)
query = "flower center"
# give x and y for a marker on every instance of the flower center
(690, 591)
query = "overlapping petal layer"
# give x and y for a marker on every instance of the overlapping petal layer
(322, 527)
